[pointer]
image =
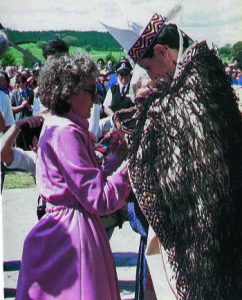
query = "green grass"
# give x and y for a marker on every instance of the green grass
(18, 180)
(37, 52)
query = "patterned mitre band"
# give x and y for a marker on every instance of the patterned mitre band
(150, 32)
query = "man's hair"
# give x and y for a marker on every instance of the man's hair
(101, 59)
(4, 76)
(22, 78)
(55, 47)
(168, 36)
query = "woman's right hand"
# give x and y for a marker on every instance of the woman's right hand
(118, 143)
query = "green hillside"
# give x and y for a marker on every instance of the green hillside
(37, 52)
(98, 44)
(95, 39)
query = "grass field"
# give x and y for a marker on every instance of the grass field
(37, 52)
(18, 180)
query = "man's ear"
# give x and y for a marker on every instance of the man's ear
(160, 49)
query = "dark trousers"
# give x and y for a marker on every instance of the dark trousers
(2, 175)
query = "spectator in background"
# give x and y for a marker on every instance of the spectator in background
(123, 58)
(51, 49)
(6, 120)
(17, 158)
(54, 49)
(100, 64)
(108, 69)
(228, 71)
(236, 64)
(117, 96)
(6, 114)
(26, 72)
(22, 100)
(101, 86)
(109, 66)
(32, 80)
(112, 79)
(11, 71)
(5, 82)
(37, 105)
(234, 79)
(239, 76)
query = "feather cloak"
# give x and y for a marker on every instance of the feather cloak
(185, 166)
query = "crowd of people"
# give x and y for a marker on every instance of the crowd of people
(234, 72)
(162, 137)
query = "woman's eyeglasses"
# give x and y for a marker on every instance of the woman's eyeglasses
(92, 91)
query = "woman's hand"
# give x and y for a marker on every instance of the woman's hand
(31, 122)
(118, 144)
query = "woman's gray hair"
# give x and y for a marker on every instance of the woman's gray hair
(63, 77)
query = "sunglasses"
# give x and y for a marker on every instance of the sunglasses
(92, 92)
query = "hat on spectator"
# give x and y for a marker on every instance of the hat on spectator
(124, 66)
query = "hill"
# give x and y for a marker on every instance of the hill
(94, 39)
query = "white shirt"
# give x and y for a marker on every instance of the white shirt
(108, 99)
(6, 110)
(23, 160)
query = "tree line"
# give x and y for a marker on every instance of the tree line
(94, 39)
(229, 52)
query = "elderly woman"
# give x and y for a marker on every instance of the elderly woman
(67, 254)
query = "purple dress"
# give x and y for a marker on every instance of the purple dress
(67, 254)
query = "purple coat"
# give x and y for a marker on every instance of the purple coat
(67, 254)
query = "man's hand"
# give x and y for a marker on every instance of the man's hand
(25, 104)
(34, 146)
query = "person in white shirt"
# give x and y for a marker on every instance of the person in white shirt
(17, 158)
(6, 112)
(117, 96)
(6, 120)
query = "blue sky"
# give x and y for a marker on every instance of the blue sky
(216, 21)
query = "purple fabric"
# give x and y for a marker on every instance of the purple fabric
(67, 254)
